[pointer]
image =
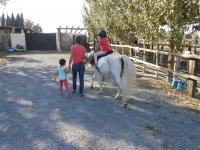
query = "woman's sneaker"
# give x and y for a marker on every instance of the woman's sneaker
(81, 95)
(73, 91)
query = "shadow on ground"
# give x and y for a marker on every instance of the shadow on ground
(34, 116)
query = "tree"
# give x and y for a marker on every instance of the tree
(8, 23)
(3, 2)
(147, 19)
(144, 18)
(22, 20)
(12, 20)
(18, 21)
(37, 28)
(31, 25)
(3, 20)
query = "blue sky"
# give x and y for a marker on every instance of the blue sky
(50, 14)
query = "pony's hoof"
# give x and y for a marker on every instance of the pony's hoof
(125, 105)
(99, 92)
(91, 87)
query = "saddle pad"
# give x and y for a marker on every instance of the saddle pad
(101, 61)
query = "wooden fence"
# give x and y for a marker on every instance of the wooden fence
(191, 76)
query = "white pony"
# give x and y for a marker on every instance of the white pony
(120, 67)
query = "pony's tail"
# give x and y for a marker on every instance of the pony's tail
(128, 74)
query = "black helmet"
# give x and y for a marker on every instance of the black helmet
(102, 33)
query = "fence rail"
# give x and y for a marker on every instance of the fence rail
(193, 62)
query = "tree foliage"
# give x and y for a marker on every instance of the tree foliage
(3, 20)
(31, 25)
(3, 2)
(151, 20)
(17, 21)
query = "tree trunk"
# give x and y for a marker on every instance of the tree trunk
(170, 60)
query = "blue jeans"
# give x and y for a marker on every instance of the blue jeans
(80, 69)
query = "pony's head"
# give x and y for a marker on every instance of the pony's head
(89, 58)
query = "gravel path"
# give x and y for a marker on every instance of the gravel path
(33, 116)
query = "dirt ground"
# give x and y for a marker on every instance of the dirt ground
(34, 116)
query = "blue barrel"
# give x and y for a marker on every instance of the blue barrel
(179, 86)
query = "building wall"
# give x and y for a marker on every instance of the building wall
(17, 38)
(4, 41)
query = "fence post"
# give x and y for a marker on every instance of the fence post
(122, 50)
(175, 64)
(144, 57)
(58, 40)
(130, 52)
(161, 56)
(156, 73)
(192, 84)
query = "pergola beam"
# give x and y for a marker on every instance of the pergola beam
(73, 30)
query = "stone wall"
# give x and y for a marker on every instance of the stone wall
(4, 41)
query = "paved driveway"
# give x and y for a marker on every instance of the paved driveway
(33, 116)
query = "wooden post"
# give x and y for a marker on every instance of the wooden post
(156, 73)
(144, 58)
(122, 50)
(175, 64)
(161, 56)
(187, 65)
(130, 52)
(192, 84)
(58, 40)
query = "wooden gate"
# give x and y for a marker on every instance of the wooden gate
(40, 41)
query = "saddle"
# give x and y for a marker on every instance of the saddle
(98, 57)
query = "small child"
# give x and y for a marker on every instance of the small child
(62, 72)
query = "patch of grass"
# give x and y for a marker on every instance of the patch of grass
(151, 128)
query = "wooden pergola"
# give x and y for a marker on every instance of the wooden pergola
(73, 29)
(70, 30)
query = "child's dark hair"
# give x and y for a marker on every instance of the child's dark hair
(78, 40)
(62, 62)
(102, 33)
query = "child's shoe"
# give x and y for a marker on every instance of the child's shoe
(60, 93)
